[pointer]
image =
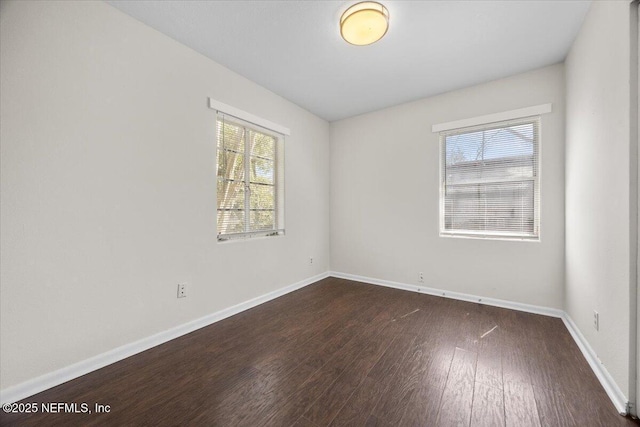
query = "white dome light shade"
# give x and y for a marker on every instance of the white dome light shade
(364, 23)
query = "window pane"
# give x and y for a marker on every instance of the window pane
(490, 180)
(506, 207)
(230, 186)
(493, 154)
(262, 174)
(230, 165)
(262, 220)
(262, 170)
(262, 196)
(230, 136)
(230, 207)
(262, 145)
(509, 141)
(230, 222)
(230, 195)
(491, 170)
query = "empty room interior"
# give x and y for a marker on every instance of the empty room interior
(319, 213)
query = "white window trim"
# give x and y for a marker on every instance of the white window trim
(487, 119)
(477, 123)
(221, 107)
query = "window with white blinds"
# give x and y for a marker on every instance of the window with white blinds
(250, 190)
(490, 180)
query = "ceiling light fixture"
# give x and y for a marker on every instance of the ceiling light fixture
(364, 23)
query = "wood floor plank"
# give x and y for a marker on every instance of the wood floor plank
(361, 403)
(388, 364)
(515, 368)
(585, 412)
(303, 422)
(422, 406)
(489, 367)
(327, 406)
(520, 405)
(552, 408)
(457, 398)
(374, 421)
(544, 370)
(404, 388)
(403, 385)
(322, 380)
(488, 406)
(467, 326)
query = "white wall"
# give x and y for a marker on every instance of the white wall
(385, 189)
(635, 147)
(598, 188)
(636, 135)
(108, 189)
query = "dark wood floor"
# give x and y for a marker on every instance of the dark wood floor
(342, 353)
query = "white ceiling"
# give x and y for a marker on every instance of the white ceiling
(294, 48)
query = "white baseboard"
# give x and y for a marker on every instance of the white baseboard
(613, 391)
(553, 312)
(52, 379)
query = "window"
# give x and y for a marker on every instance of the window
(490, 181)
(249, 180)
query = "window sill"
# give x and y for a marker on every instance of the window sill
(533, 239)
(250, 236)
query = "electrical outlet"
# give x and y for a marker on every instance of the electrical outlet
(596, 320)
(421, 277)
(310, 260)
(182, 290)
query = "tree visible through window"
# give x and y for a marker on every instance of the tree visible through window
(490, 182)
(248, 182)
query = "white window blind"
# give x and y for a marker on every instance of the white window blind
(250, 178)
(490, 180)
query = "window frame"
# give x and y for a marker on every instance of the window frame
(278, 178)
(492, 235)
